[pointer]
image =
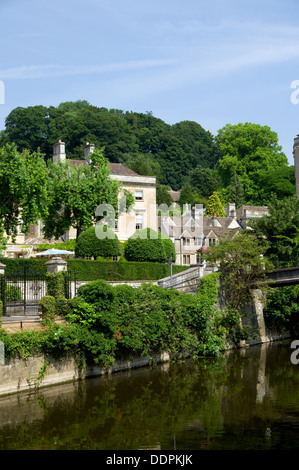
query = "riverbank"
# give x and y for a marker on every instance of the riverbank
(40, 371)
(140, 326)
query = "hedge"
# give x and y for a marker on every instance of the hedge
(90, 270)
(17, 264)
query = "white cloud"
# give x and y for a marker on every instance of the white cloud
(58, 70)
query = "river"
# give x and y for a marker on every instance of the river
(248, 399)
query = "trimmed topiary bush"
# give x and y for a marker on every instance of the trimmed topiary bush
(89, 245)
(147, 245)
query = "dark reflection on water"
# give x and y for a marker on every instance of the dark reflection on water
(246, 400)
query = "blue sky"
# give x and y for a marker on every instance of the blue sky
(214, 62)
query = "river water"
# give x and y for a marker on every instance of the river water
(246, 400)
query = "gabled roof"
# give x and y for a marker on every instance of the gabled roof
(115, 168)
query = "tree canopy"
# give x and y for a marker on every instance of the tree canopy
(214, 206)
(244, 162)
(141, 140)
(241, 266)
(278, 232)
(23, 189)
(247, 150)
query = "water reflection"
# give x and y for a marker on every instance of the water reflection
(245, 400)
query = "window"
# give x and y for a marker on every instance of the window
(138, 221)
(197, 241)
(115, 224)
(186, 241)
(212, 242)
(138, 195)
(186, 259)
(114, 258)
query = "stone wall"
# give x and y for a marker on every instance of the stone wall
(18, 375)
(253, 318)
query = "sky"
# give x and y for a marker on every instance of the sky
(213, 62)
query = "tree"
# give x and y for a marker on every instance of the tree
(205, 180)
(241, 265)
(28, 128)
(143, 164)
(88, 244)
(75, 194)
(278, 232)
(170, 151)
(236, 192)
(214, 206)
(163, 196)
(280, 183)
(189, 196)
(23, 189)
(247, 149)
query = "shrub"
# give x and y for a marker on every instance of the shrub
(48, 309)
(282, 307)
(145, 245)
(94, 306)
(124, 293)
(208, 287)
(88, 244)
(1, 312)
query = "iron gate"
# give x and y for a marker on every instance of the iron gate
(21, 291)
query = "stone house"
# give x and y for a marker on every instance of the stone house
(193, 230)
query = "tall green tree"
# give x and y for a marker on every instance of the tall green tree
(23, 189)
(247, 149)
(205, 180)
(236, 192)
(278, 232)
(214, 206)
(28, 128)
(242, 267)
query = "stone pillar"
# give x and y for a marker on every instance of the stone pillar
(56, 264)
(2, 268)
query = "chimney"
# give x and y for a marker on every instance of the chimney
(213, 220)
(231, 210)
(89, 148)
(59, 152)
